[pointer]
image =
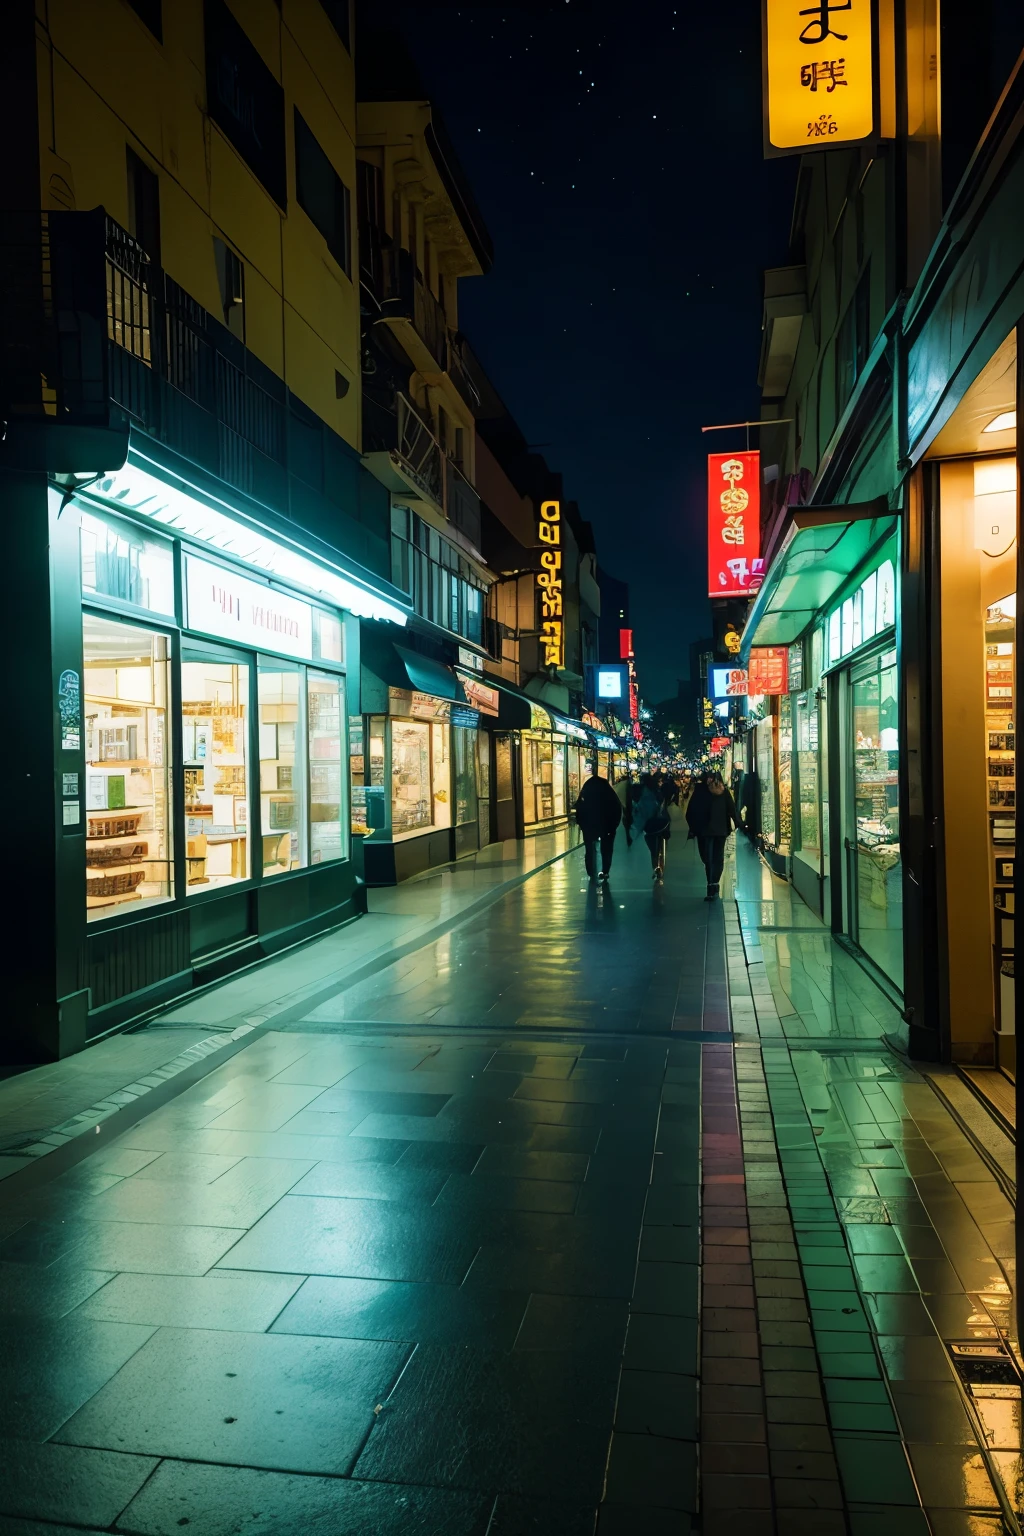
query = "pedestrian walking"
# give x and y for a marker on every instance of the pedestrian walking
(711, 816)
(651, 818)
(598, 813)
(624, 794)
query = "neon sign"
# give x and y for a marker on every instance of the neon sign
(549, 580)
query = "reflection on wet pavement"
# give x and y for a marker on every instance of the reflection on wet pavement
(493, 1239)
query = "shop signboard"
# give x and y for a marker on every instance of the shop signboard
(482, 697)
(707, 714)
(734, 524)
(719, 743)
(470, 660)
(611, 684)
(549, 583)
(625, 644)
(464, 715)
(729, 683)
(768, 670)
(818, 74)
(418, 706)
(796, 666)
(220, 602)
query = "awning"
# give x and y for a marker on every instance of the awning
(574, 729)
(821, 549)
(429, 676)
(513, 707)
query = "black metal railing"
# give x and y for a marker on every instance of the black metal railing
(462, 504)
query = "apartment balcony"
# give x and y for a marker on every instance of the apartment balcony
(403, 453)
(100, 341)
(406, 305)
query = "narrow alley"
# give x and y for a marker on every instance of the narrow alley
(536, 1206)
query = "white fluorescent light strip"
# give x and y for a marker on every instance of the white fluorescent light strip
(138, 491)
(1006, 421)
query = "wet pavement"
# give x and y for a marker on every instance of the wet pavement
(602, 1210)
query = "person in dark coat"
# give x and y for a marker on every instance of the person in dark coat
(711, 816)
(651, 818)
(598, 813)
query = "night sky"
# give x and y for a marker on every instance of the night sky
(615, 152)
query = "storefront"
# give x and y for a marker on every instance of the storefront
(543, 772)
(827, 757)
(579, 754)
(203, 743)
(969, 484)
(415, 791)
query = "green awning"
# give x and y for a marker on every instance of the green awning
(822, 548)
(429, 676)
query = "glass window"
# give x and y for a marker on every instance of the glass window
(326, 706)
(483, 765)
(766, 777)
(215, 749)
(574, 770)
(442, 775)
(538, 778)
(357, 775)
(558, 777)
(127, 749)
(879, 875)
(809, 829)
(119, 560)
(502, 768)
(785, 829)
(330, 636)
(464, 748)
(411, 802)
(282, 779)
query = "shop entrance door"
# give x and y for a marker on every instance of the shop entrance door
(504, 794)
(874, 871)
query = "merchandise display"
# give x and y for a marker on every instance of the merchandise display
(876, 850)
(282, 773)
(1000, 763)
(215, 709)
(127, 801)
(325, 708)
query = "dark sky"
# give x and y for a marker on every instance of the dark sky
(615, 152)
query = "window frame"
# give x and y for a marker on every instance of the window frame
(305, 138)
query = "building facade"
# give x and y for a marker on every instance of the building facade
(886, 763)
(195, 537)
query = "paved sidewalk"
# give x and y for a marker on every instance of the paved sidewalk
(42, 1108)
(596, 1213)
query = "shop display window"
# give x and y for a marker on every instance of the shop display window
(876, 843)
(120, 561)
(807, 765)
(464, 751)
(325, 699)
(215, 751)
(357, 773)
(785, 827)
(282, 773)
(502, 768)
(765, 739)
(411, 800)
(483, 765)
(574, 773)
(558, 777)
(439, 760)
(1000, 734)
(538, 789)
(127, 762)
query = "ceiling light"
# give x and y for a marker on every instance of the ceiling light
(1006, 421)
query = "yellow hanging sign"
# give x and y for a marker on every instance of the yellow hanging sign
(819, 84)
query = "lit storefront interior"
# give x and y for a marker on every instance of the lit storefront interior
(543, 752)
(206, 773)
(973, 492)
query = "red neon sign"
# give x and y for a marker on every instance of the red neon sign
(768, 670)
(625, 644)
(719, 744)
(734, 524)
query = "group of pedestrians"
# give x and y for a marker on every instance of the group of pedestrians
(645, 810)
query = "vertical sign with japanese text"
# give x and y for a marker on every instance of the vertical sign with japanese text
(734, 524)
(549, 583)
(819, 81)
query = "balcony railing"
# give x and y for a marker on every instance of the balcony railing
(462, 504)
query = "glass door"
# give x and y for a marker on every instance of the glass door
(215, 762)
(874, 867)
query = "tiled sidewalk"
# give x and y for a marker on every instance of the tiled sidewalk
(45, 1107)
(881, 1246)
